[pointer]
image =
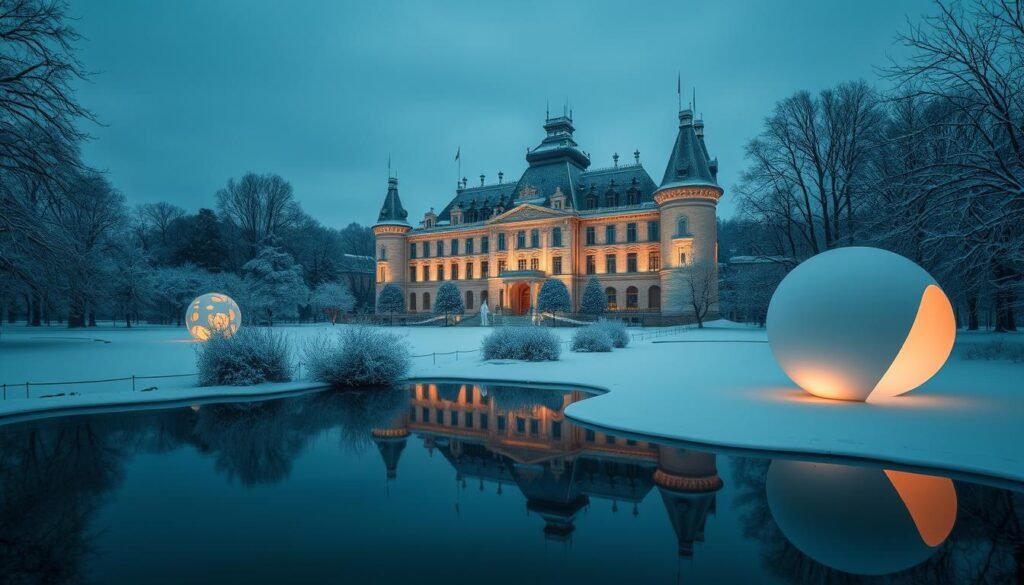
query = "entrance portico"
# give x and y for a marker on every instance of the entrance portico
(519, 289)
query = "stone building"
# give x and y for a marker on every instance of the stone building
(563, 220)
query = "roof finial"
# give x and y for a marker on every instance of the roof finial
(636, 156)
(679, 89)
(547, 110)
(481, 180)
(389, 165)
(615, 159)
(693, 106)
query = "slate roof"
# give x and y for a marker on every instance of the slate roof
(392, 211)
(689, 163)
(620, 180)
(487, 196)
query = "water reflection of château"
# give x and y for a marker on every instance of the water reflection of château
(519, 436)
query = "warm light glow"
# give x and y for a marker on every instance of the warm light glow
(928, 344)
(213, 312)
(860, 323)
(931, 502)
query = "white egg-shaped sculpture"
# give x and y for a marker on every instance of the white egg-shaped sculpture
(854, 323)
(860, 520)
(212, 313)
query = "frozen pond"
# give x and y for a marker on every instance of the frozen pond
(463, 484)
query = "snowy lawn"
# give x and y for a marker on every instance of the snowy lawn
(718, 385)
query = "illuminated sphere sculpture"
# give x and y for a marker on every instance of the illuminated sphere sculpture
(210, 313)
(854, 323)
(860, 520)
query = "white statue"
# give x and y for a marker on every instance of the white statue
(483, 314)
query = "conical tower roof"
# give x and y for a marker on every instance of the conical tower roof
(689, 164)
(392, 212)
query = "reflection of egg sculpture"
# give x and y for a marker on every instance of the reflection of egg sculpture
(858, 519)
(212, 312)
(857, 322)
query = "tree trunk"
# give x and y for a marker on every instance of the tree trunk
(36, 310)
(972, 312)
(92, 318)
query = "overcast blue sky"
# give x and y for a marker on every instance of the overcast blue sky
(192, 93)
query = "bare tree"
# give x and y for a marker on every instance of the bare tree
(260, 205)
(805, 178)
(695, 289)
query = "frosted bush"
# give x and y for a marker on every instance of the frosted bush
(361, 355)
(995, 350)
(616, 332)
(250, 356)
(593, 337)
(532, 344)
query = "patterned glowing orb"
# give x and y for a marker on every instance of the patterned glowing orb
(854, 323)
(212, 312)
(858, 519)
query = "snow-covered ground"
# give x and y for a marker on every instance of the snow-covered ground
(718, 385)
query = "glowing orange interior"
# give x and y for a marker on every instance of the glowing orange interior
(931, 502)
(926, 348)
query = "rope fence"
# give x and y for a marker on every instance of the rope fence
(24, 389)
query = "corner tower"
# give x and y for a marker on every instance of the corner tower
(688, 202)
(389, 233)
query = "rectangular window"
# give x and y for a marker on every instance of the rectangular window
(609, 263)
(653, 261)
(455, 247)
(501, 242)
(412, 414)
(535, 238)
(522, 264)
(556, 429)
(591, 236)
(653, 231)
(469, 271)
(469, 245)
(469, 420)
(534, 426)
(426, 249)
(501, 267)
(631, 262)
(609, 234)
(440, 248)
(682, 258)
(631, 232)
(485, 244)
(484, 266)
(588, 435)
(426, 414)
(426, 273)
(455, 271)
(484, 420)
(609, 439)
(591, 265)
(412, 251)
(520, 240)
(520, 425)
(382, 275)
(502, 421)
(440, 416)
(412, 274)
(440, 272)
(454, 420)
(534, 263)
(556, 265)
(556, 237)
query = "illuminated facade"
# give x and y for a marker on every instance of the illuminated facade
(498, 242)
(519, 438)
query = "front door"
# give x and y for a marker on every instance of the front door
(520, 298)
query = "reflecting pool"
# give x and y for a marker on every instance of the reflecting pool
(463, 483)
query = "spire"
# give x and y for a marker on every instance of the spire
(392, 211)
(689, 164)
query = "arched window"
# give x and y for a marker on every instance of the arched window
(683, 226)
(412, 302)
(613, 303)
(426, 301)
(632, 297)
(383, 253)
(483, 297)
(654, 297)
(469, 300)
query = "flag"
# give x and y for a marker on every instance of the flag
(458, 153)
